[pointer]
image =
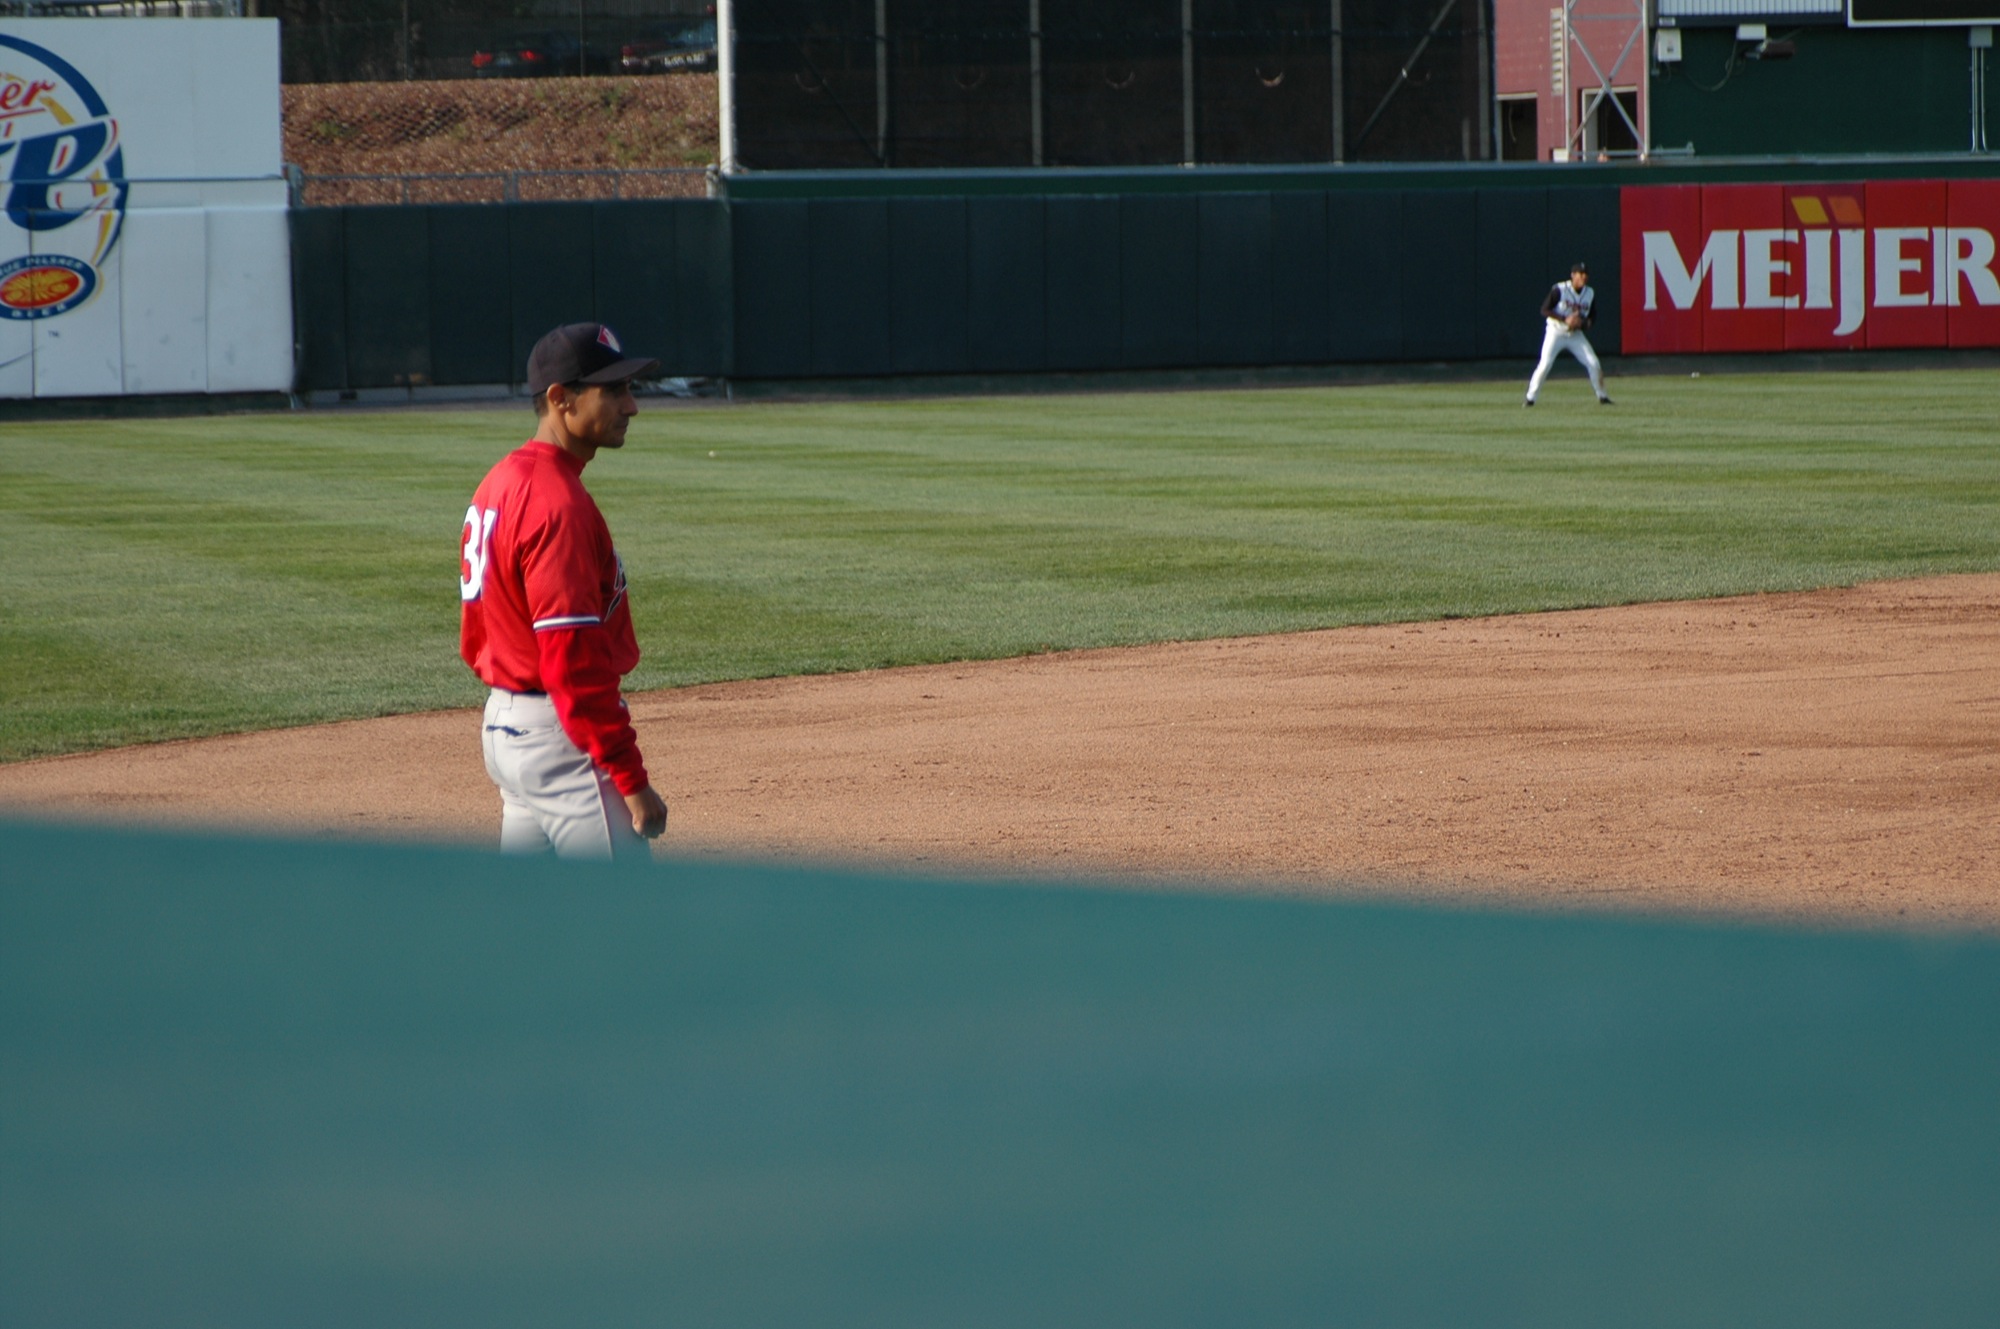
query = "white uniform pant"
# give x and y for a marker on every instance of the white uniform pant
(552, 795)
(1555, 341)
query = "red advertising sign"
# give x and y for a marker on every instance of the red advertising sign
(1972, 292)
(1810, 267)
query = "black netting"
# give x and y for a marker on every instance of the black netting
(850, 83)
(1112, 83)
(916, 83)
(959, 86)
(807, 84)
(1264, 81)
(1436, 114)
(344, 41)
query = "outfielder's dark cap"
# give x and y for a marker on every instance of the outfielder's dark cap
(582, 353)
(1579, 266)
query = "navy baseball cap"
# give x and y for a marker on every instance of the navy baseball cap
(582, 353)
(1579, 266)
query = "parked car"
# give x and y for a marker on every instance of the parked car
(672, 50)
(541, 55)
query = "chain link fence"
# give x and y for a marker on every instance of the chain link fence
(500, 141)
(122, 8)
(325, 191)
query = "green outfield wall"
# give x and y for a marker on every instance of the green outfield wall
(253, 1083)
(867, 274)
(457, 293)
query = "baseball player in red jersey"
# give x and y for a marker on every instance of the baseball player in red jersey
(544, 620)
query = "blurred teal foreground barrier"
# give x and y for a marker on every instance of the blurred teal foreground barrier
(269, 1084)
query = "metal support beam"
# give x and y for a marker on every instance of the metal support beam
(1035, 77)
(1607, 27)
(725, 83)
(1339, 57)
(1980, 39)
(882, 81)
(1187, 82)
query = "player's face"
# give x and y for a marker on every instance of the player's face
(1577, 279)
(599, 413)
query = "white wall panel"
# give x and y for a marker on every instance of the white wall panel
(249, 300)
(192, 99)
(241, 117)
(17, 359)
(195, 295)
(80, 353)
(166, 300)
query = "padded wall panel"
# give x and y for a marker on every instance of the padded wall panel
(1583, 224)
(850, 285)
(551, 251)
(1006, 276)
(1972, 291)
(1435, 273)
(704, 288)
(772, 262)
(17, 358)
(1083, 282)
(166, 301)
(472, 315)
(249, 314)
(388, 297)
(635, 273)
(1511, 271)
(928, 306)
(1733, 323)
(1159, 254)
(319, 276)
(1300, 323)
(1903, 217)
(1364, 250)
(1235, 279)
(80, 354)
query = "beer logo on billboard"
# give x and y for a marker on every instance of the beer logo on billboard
(44, 287)
(64, 175)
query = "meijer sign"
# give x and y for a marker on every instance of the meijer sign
(143, 245)
(1809, 267)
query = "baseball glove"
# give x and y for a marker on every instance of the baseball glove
(1573, 322)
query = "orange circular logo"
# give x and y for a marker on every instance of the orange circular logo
(37, 288)
(41, 287)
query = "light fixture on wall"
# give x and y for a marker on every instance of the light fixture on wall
(1754, 42)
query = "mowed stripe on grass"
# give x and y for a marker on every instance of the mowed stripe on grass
(177, 578)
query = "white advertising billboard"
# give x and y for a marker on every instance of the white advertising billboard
(143, 247)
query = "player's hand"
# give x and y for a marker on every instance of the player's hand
(1573, 322)
(649, 812)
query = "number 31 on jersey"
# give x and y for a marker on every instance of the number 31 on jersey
(478, 531)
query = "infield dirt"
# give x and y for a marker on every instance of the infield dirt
(1827, 756)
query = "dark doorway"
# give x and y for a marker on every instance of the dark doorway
(1520, 126)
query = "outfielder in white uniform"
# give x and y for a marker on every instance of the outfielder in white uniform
(1566, 312)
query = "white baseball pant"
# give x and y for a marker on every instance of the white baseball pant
(1555, 341)
(552, 795)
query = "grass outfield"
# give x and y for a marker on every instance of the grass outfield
(163, 579)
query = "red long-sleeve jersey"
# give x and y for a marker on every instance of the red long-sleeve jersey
(543, 608)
